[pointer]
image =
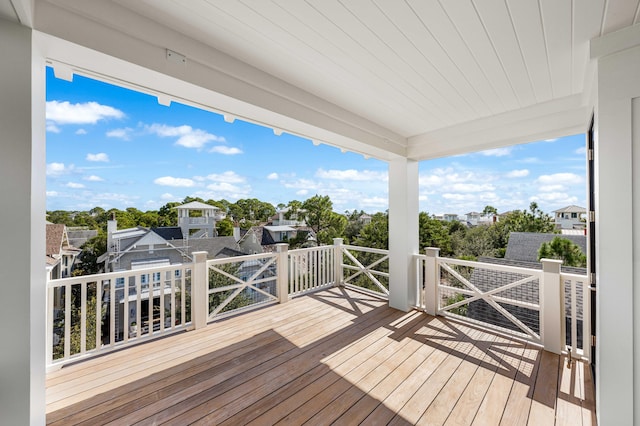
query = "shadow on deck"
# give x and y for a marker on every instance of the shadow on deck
(333, 356)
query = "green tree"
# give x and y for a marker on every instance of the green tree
(534, 220)
(225, 227)
(334, 229)
(375, 234)
(564, 249)
(91, 250)
(434, 233)
(319, 213)
(489, 210)
(168, 215)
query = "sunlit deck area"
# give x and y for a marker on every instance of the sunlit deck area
(330, 356)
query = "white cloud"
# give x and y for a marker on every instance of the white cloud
(225, 150)
(352, 175)
(80, 113)
(51, 127)
(174, 181)
(497, 152)
(375, 202)
(58, 169)
(530, 160)
(302, 192)
(228, 177)
(471, 187)
(123, 133)
(551, 188)
(555, 197)
(551, 140)
(52, 193)
(74, 185)
(99, 157)
(560, 178)
(581, 151)
(186, 136)
(167, 197)
(93, 178)
(225, 187)
(81, 132)
(518, 173)
(272, 176)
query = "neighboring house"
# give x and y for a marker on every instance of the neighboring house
(60, 254)
(80, 234)
(365, 219)
(524, 246)
(198, 220)
(570, 217)
(137, 248)
(263, 239)
(294, 219)
(450, 217)
(473, 218)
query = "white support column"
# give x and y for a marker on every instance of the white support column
(403, 232)
(22, 191)
(283, 272)
(552, 298)
(337, 258)
(431, 278)
(199, 290)
(617, 188)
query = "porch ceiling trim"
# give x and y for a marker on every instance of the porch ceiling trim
(561, 117)
(135, 55)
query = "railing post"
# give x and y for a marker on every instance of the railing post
(552, 306)
(337, 258)
(283, 272)
(431, 273)
(199, 290)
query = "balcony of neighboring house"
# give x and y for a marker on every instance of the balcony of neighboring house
(307, 335)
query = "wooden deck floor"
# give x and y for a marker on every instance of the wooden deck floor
(331, 357)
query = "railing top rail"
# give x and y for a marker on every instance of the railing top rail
(307, 249)
(575, 277)
(114, 275)
(245, 258)
(491, 266)
(365, 249)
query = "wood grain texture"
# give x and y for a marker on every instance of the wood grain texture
(335, 356)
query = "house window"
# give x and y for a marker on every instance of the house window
(574, 215)
(156, 277)
(178, 273)
(144, 279)
(120, 282)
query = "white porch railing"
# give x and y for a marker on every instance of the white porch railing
(528, 303)
(365, 268)
(88, 315)
(91, 314)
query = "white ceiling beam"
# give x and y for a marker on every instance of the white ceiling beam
(615, 42)
(563, 117)
(24, 10)
(135, 53)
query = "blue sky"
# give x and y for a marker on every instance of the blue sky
(112, 147)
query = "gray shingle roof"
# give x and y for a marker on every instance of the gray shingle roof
(525, 245)
(215, 247)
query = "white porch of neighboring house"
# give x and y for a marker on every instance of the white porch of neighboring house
(495, 74)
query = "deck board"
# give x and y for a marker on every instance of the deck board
(335, 356)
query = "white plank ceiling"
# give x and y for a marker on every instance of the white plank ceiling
(412, 66)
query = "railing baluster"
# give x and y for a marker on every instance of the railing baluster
(83, 317)
(67, 320)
